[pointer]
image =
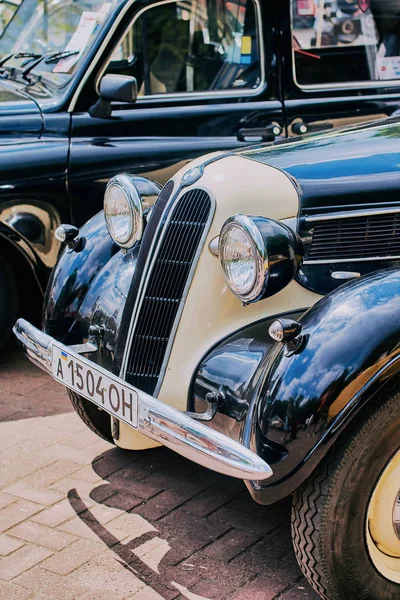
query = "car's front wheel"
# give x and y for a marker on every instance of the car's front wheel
(96, 419)
(346, 516)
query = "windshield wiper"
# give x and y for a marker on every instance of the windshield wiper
(30, 55)
(34, 59)
(53, 57)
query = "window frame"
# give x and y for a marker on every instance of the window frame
(209, 94)
(356, 85)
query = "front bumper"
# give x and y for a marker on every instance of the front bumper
(161, 422)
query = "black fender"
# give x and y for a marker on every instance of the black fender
(16, 249)
(71, 280)
(349, 348)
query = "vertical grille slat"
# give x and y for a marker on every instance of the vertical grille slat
(164, 291)
(372, 236)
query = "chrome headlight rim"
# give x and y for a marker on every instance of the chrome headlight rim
(134, 202)
(260, 253)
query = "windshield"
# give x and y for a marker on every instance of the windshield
(43, 27)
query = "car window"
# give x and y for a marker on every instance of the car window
(7, 10)
(192, 46)
(345, 41)
(43, 27)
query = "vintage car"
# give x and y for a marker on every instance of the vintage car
(91, 88)
(249, 319)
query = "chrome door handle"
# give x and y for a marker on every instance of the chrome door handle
(266, 134)
(302, 128)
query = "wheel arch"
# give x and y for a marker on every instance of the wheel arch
(30, 276)
(350, 351)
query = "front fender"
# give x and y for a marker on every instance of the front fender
(350, 347)
(72, 277)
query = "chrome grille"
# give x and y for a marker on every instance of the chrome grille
(165, 289)
(358, 238)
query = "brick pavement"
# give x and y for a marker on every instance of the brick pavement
(80, 519)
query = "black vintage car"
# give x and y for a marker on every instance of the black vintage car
(249, 319)
(91, 88)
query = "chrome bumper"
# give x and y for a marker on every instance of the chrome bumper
(160, 421)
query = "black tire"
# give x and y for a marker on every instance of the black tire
(97, 420)
(330, 510)
(8, 302)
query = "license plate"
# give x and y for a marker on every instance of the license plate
(82, 376)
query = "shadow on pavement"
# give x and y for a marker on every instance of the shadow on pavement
(187, 528)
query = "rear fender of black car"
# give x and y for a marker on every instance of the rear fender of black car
(349, 347)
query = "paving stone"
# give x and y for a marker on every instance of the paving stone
(123, 501)
(50, 586)
(152, 552)
(57, 514)
(104, 513)
(88, 475)
(162, 504)
(10, 591)
(81, 439)
(10, 471)
(8, 545)
(105, 574)
(146, 593)
(301, 591)
(27, 491)
(21, 560)
(102, 595)
(209, 501)
(231, 544)
(21, 384)
(17, 512)
(79, 528)
(130, 526)
(42, 535)
(52, 473)
(136, 488)
(5, 500)
(82, 456)
(72, 557)
(261, 588)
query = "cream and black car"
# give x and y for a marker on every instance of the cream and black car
(247, 316)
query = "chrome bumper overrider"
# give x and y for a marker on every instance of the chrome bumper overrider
(160, 421)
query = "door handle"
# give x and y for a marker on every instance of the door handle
(266, 134)
(302, 128)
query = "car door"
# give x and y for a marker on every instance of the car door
(207, 80)
(341, 62)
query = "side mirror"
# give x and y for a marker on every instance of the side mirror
(113, 87)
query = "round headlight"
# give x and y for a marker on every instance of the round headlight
(258, 256)
(243, 257)
(123, 211)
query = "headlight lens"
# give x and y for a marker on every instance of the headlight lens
(123, 211)
(243, 257)
(258, 256)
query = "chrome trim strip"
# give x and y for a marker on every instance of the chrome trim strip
(161, 232)
(396, 516)
(187, 286)
(245, 92)
(334, 261)
(345, 275)
(362, 212)
(158, 420)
